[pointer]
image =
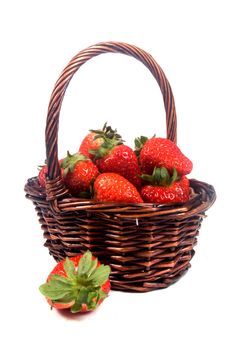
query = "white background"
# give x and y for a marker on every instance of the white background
(192, 41)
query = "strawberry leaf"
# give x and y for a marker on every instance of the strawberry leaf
(100, 275)
(147, 178)
(69, 268)
(110, 140)
(55, 291)
(92, 268)
(69, 163)
(164, 177)
(82, 295)
(85, 263)
(77, 307)
(81, 298)
(107, 133)
(92, 300)
(91, 296)
(60, 280)
(139, 143)
(157, 176)
(175, 176)
(161, 177)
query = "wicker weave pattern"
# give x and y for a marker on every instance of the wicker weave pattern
(147, 246)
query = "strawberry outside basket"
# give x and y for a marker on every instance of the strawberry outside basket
(147, 246)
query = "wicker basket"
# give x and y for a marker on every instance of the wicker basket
(147, 246)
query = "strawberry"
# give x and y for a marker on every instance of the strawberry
(79, 174)
(90, 143)
(93, 141)
(111, 187)
(121, 159)
(161, 152)
(79, 283)
(43, 170)
(164, 188)
(110, 155)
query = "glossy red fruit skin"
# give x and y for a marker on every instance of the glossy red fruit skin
(81, 178)
(59, 269)
(178, 192)
(161, 152)
(123, 161)
(111, 187)
(88, 143)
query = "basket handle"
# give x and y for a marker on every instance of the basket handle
(51, 133)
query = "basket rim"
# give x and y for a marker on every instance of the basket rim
(202, 198)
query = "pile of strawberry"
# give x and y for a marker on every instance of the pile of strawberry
(107, 170)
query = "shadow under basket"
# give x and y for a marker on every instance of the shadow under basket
(147, 246)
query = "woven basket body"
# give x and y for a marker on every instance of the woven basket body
(147, 246)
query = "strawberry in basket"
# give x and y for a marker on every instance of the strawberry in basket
(161, 152)
(43, 170)
(121, 160)
(79, 174)
(112, 187)
(111, 155)
(164, 188)
(93, 141)
(79, 283)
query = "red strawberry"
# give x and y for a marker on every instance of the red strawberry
(122, 160)
(89, 143)
(110, 155)
(43, 173)
(93, 141)
(111, 187)
(79, 283)
(161, 152)
(79, 174)
(164, 188)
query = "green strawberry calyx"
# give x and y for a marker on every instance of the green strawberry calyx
(161, 177)
(68, 163)
(139, 142)
(81, 286)
(110, 139)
